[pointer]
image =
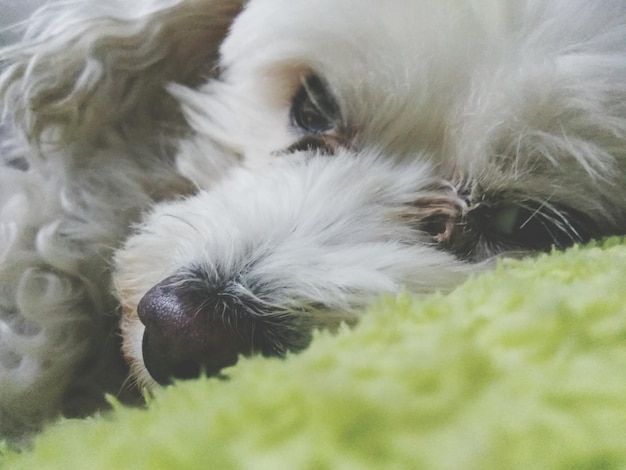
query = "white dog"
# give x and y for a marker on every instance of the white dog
(282, 163)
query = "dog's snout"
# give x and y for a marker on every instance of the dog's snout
(183, 335)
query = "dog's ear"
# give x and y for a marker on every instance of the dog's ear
(86, 68)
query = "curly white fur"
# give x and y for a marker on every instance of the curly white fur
(456, 118)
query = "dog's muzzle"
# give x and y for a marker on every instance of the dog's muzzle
(259, 274)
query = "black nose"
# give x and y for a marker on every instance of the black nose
(191, 328)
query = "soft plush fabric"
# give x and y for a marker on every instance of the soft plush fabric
(523, 367)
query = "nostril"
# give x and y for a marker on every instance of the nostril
(183, 337)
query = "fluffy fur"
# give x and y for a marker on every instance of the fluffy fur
(285, 162)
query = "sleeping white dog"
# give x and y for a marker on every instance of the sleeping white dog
(228, 176)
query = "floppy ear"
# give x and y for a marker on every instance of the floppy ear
(87, 69)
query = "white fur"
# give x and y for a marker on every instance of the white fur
(119, 107)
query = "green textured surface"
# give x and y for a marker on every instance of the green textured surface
(523, 367)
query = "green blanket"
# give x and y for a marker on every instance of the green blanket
(523, 367)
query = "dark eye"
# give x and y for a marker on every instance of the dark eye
(314, 109)
(492, 227)
(540, 226)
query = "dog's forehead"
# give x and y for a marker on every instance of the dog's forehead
(365, 31)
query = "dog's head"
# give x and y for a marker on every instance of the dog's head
(346, 148)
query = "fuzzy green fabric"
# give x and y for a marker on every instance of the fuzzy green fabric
(520, 368)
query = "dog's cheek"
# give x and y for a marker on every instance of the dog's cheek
(132, 338)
